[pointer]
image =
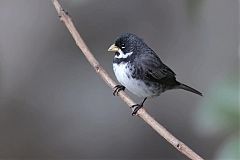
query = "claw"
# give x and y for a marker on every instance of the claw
(118, 88)
(135, 109)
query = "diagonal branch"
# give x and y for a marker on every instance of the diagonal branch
(180, 146)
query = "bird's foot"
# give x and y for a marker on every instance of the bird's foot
(135, 108)
(118, 88)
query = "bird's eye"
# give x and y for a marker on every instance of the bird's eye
(122, 45)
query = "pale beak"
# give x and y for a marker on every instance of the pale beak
(113, 48)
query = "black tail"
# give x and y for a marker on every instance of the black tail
(190, 89)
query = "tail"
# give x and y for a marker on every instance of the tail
(190, 89)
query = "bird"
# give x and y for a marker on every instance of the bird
(139, 69)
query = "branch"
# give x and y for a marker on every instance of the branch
(180, 146)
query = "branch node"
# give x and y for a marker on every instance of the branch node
(97, 67)
(178, 146)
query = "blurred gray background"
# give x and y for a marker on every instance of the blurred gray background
(54, 106)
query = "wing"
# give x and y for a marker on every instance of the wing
(154, 69)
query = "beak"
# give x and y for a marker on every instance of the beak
(113, 48)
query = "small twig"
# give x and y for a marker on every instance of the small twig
(180, 146)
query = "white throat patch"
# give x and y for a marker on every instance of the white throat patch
(122, 55)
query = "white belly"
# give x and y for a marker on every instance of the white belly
(137, 87)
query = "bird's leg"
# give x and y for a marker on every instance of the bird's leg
(136, 107)
(117, 89)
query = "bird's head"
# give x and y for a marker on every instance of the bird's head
(126, 45)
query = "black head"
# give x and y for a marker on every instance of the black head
(127, 43)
